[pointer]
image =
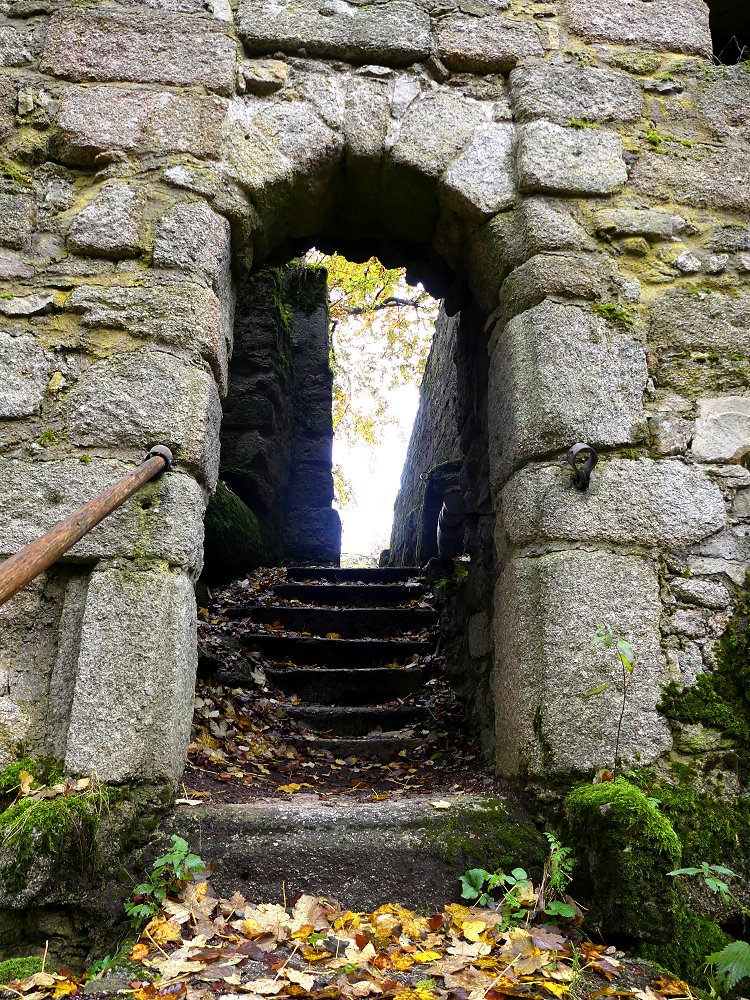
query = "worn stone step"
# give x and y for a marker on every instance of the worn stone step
(356, 721)
(355, 654)
(377, 595)
(350, 623)
(366, 686)
(363, 854)
(383, 574)
(382, 746)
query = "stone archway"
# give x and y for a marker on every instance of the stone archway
(516, 150)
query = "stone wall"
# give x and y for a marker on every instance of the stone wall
(434, 444)
(277, 430)
(575, 172)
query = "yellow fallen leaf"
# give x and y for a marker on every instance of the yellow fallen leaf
(426, 956)
(473, 929)
(163, 931)
(332, 635)
(556, 989)
(251, 928)
(313, 955)
(64, 987)
(40, 980)
(402, 962)
(139, 952)
(290, 788)
(26, 780)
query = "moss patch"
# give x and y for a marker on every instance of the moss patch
(685, 955)
(721, 699)
(19, 968)
(490, 836)
(235, 539)
(627, 846)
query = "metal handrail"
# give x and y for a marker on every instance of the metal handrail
(34, 558)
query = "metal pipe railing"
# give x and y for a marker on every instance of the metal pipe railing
(34, 558)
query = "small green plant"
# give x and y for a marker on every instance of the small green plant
(168, 875)
(555, 879)
(100, 968)
(47, 437)
(654, 138)
(711, 879)
(485, 888)
(605, 637)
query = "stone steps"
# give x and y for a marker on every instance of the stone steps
(360, 720)
(345, 594)
(384, 574)
(354, 654)
(369, 852)
(366, 685)
(350, 623)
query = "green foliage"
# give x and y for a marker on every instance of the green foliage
(13, 172)
(13, 969)
(98, 969)
(485, 888)
(654, 138)
(684, 954)
(732, 963)
(559, 865)
(381, 330)
(710, 876)
(169, 874)
(47, 438)
(10, 777)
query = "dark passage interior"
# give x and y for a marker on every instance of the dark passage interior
(730, 30)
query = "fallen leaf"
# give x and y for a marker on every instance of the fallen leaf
(440, 804)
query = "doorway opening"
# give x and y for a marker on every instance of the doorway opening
(730, 30)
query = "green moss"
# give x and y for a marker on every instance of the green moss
(10, 777)
(235, 539)
(47, 438)
(621, 315)
(487, 835)
(581, 123)
(14, 969)
(685, 955)
(628, 847)
(721, 699)
(13, 172)
(65, 826)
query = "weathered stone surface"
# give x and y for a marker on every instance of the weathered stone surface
(196, 239)
(111, 225)
(664, 503)
(434, 130)
(664, 25)
(16, 46)
(179, 314)
(708, 176)
(570, 161)
(723, 103)
(488, 44)
(547, 610)
(30, 625)
(24, 370)
(559, 93)
(569, 276)
(142, 703)
(671, 435)
(35, 304)
(701, 321)
(707, 593)
(481, 180)
(98, 118)
(653, 224)
(164, 521)
(395, 33)
(722, 429)
(557, 375)
(17, 220)
(139, 48)
(141, 398)
(264, 76)
(366, 116)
